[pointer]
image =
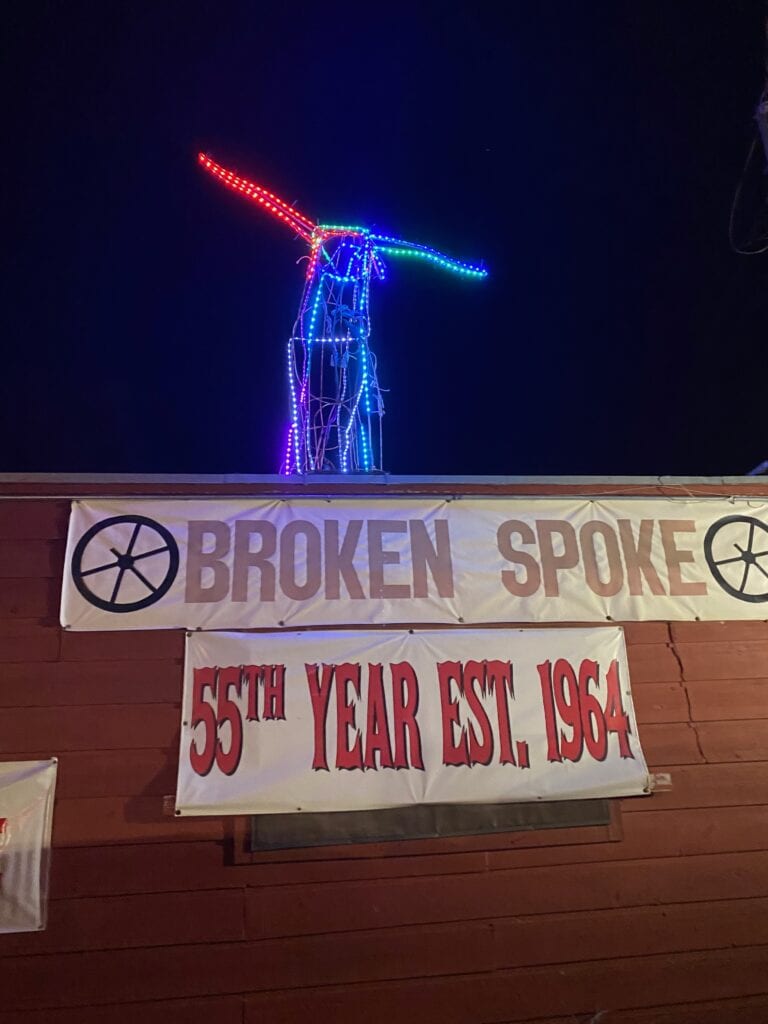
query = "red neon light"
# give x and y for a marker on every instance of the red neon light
(277, 207)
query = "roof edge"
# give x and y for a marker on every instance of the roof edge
(314, 480)
(118, 486)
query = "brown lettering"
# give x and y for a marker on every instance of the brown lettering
(288, 560)
(379, 557)
(245, 559)
(199, 560)
(676, 557)
(611, 556)
(551, 563)
(339, 560)
(637, 557)
(509, 577)
(436, 557)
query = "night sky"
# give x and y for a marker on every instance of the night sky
(587, 152)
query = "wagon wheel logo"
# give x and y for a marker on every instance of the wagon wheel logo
(157, 556)
(736, 560)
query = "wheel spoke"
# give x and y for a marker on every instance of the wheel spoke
(744, 577)
(751, 536)
(762, 570)
(143, 579)
(100, 568)
(761, 554)
(133, 538)
(116, 588)
(156, 551)
(727, 561)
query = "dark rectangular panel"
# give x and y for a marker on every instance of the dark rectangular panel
(425, 821)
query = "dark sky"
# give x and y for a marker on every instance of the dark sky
(587, 152)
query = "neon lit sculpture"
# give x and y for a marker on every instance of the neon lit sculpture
(335, 401)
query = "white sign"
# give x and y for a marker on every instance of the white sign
(272, 563)
(332, 721)
(26, 815)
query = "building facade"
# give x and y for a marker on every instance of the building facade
(658, 915)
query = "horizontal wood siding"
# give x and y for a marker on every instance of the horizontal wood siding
(663, 919)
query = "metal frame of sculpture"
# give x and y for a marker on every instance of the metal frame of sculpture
(336, 404)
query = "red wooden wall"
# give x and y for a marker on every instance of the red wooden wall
(155, 919)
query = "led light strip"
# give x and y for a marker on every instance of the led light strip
(433, 256)
(342, 229)
(293, 430)
(282, 210)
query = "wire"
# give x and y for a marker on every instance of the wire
(742, 250)
(760, 237)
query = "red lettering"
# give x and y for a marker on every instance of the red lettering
(500, 683)
(405, 704)
(377, 728)
(616, 718)
(566, 690)
(569, 700)
(274, 692)
(545, 678)
(227, 711)
(201, 760)
(347, 757)
(455, 752)
(319, 694)
(272, 678)
(252, 676)
(592, 719)
(480, 750)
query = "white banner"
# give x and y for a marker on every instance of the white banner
(343, 561)
(350, 720)
(26, 815)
